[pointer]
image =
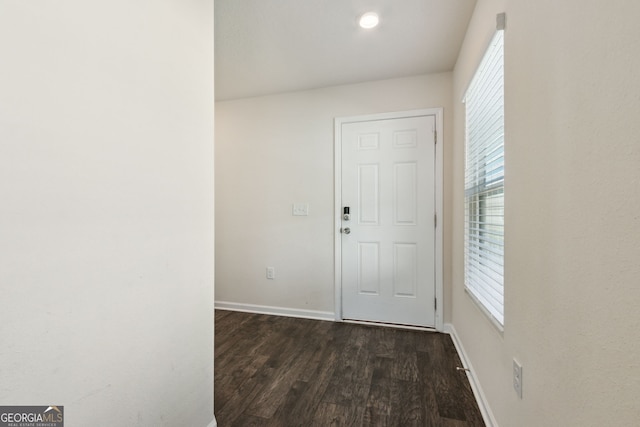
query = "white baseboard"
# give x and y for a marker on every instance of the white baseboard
(213, 423)
(487, 415)
(275, 311)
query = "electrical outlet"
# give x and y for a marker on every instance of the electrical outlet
(300, 209)
(517, 378)
(271, 273)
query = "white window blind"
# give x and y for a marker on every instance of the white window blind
(484, 182)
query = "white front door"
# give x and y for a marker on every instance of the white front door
(388, 242)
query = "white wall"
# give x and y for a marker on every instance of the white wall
(106, 217)
(275, 150)
(572, 225)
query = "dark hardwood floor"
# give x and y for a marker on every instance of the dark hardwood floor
(279, 371)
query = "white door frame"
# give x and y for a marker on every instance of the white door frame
(338, 122)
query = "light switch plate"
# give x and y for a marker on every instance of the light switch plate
(300, 209)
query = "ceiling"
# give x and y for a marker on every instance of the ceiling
(271, 46)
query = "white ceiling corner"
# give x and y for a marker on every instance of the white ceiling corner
(272, 46)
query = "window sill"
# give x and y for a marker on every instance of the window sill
(496, 324)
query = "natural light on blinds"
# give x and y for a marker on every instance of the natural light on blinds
(484, 182)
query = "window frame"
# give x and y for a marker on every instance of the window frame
(484, 183)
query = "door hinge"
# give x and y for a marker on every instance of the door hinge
(435, 136)
(435, 220)
(435, 304)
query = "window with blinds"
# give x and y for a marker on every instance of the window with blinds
(484, 182)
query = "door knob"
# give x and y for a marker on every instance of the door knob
(346, 230)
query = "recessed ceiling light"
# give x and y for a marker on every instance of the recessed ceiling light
(369, 20)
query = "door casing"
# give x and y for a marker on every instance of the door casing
(338, 122)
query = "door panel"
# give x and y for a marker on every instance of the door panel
(369, 268)
(405, 190)
(368, 194)
(388, 182)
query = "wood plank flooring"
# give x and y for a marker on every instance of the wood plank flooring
(279, 371)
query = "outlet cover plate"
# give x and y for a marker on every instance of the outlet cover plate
(300, 209)
(517, 378)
